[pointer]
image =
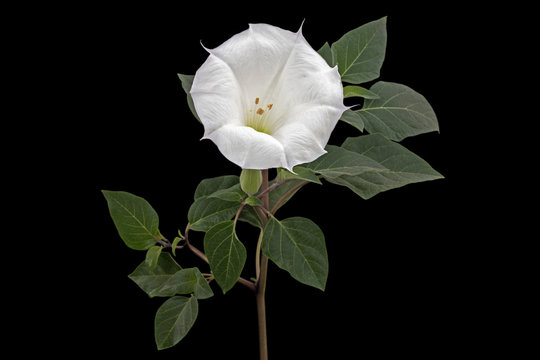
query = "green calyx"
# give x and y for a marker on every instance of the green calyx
(250, 181)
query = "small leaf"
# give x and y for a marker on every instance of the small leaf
(403, 166)
(398, 113)
(360, 52)
(226, 254)
(184, 282)
(136, 221)
(151, 280)
(207, 187)
(152, 257)
(297, 245)
(187, 82)
(302, 173)
(175, 244)
(248, 215)
(339, 161)
(254, 201)
(174, 319)
(358, 91)
(216, 199)
(207, 212)
(233, 194)
(352, 118)
(282, 190)
(202, 288)
(326, 52)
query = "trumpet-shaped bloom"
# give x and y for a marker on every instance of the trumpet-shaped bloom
(267, 99)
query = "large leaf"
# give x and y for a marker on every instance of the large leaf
(297, 245)
(339, 161)
(226, 254)
(136, 221)
(399, 112)
(360, 52)
(184, 282)
(174, 319)
(187, 82)
(152, 280)
(404, 167)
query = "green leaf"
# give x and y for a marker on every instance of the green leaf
(152, 257)
(404, 167)
(302, 173)
(297, 245)
(209, 187)
(248, 215)
(174, 319)
(175, 244)
(360, 52)
(187, 81)
(358, 91)
(326, 52)
(151, 280)
(207, 212)
(398, 113)
(233, 194)
(282, 190)
(339, 161)
(184, 282)
(352, 118)
(136, 221)
(216, 199)
(254, 201)
(202, 288)
(226, 254)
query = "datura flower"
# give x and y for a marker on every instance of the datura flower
(267, 99)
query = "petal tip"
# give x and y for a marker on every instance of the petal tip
(205, 48)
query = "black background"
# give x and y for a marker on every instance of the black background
(405, 276)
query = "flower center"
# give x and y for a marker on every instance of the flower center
(258, 117)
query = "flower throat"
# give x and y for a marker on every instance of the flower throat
(258, 117)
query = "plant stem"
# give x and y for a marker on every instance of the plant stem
(261, 279)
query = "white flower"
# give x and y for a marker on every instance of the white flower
(267, 99)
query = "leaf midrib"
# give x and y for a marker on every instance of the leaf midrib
(134, 217)
(360, 54)
(299, 250)
(177, 318)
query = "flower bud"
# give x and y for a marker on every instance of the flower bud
(250, 181)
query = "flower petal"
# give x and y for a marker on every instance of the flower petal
(217, 96)
(255, 56)
(248, 148)
(306, 131)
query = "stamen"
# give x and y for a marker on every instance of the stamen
(257, 101)
(260, 111)
(270, 106)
